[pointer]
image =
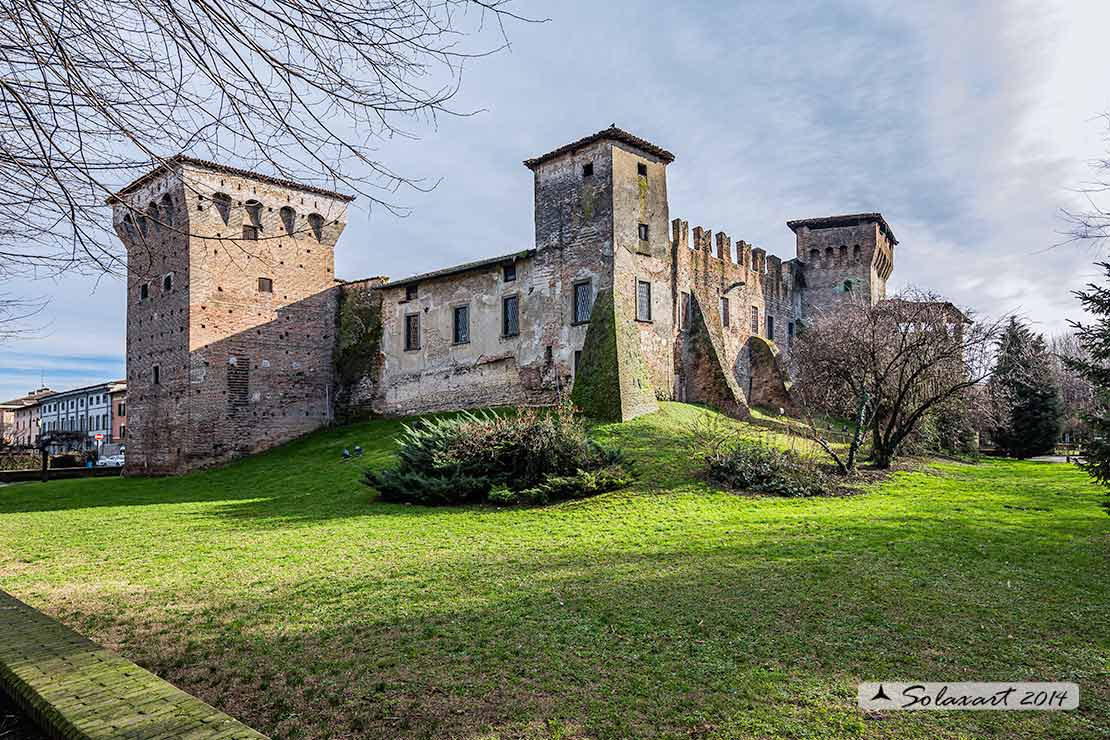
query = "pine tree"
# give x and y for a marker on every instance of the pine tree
(1095, 367)
(1027, 401)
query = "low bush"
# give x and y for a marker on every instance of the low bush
(527, 456)
(759, 467)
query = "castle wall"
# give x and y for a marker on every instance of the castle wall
(642, 199)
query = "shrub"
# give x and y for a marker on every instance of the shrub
(469, 457)
(756, 466)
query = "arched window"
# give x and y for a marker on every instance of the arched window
(254, 212)
(855, 251)
(316, 222)
(828, 253)
(222, 201)
(814, 255)
(153, 218)
(847, 286)
(288, 219)
(843, 251)
(167, 210)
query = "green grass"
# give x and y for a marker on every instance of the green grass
(280, 591)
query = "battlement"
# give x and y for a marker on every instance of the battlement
(745, 257)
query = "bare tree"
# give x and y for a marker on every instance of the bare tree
(1076, 391)
(96, 92)
(886, 366)
(16, 317)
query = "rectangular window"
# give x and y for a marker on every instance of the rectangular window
(167, 282)
(685, 308)
(724, 311)
(643, 232)
(144, 291)
(412, 331)
(250, 232)
(643, 300)
(123, 432)
(641, 169)
(265, 285)
(510, 316)
(461, 331)
(583, 301)
(588, 169)
(509, 273)
(755, 320)
(122, 406)
(411, 292)
(577, 360)
(789, 333)
(770, 327)
(157, 375)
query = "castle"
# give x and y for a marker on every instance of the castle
(240, 337)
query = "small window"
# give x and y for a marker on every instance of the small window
(222, 201)
(157, 375)
(588, 169)
(755, 320)
(509, 273)
(510, 316)
(254, 213)
(167, 210)
(789, 333)
(577, 360)
(288, 219)
(412, 290)
(461, 332)
(144, 291)
(643, 300)
(855, 251)
(814, 255)
(843, 251)
(316, 223)
(250, 233)
(724, 311)
(583, 301)
(828, 253)
(412, 331)
(643, 232)
(641, 169)
(167, 282)
(771, 327)
(847, 286)
(265, 285)
(685, 317)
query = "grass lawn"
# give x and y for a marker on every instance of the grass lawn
(280, 591)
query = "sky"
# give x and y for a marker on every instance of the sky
(968, 125)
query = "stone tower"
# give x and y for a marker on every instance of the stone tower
(841, 255)
(231, 304)
(601, 215)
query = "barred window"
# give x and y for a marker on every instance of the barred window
(510, 316)
(250, 233)
(461, 332)
(755, 319)
(724, 311)
(643, 300)
(412, 331)
(583, 301)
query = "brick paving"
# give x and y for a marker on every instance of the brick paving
(73, 688)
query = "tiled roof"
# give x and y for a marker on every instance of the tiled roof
(848, 219)
(457, 269)
(234, 171)
(614, 133)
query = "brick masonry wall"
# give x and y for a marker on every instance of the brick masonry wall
(241, 369)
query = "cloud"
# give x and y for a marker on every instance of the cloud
(965, 123)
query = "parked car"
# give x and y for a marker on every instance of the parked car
(112, 461)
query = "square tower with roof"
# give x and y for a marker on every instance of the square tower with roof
(231, 305)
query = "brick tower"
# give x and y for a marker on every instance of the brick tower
(842, 255)
(231, 305)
